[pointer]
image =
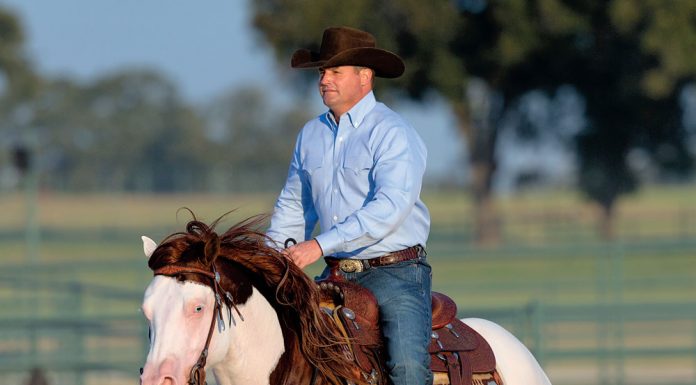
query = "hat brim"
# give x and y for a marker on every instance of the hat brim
(385, 64)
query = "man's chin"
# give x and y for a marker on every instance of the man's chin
(328, 101)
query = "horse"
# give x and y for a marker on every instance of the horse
(234, 305)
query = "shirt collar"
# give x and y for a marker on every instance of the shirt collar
(359, 111)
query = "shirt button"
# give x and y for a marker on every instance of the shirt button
(335, 218)
(340, 139)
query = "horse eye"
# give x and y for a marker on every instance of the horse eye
(198, 308)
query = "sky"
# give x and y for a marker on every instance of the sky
(206, 48)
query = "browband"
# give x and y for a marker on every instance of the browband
(170, 270)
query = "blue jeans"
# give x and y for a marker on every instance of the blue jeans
(403, 294)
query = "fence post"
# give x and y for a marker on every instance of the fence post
(611, 349)
(25, 156)
(603, 319)
(536, 317)
(694, 351)
(617, 272)
(78, 317)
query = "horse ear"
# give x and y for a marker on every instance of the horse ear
(149, 246)
(212, 247)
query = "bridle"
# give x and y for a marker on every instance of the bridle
(197, 374)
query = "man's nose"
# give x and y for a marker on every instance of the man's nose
(324, 78)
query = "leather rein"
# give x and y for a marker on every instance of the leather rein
(197, 374)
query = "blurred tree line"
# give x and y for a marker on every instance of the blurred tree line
(627, 63)
(132, 131)
(627, 60)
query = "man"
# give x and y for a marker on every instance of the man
(357, 170)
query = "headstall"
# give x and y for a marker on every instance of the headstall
(197, 374)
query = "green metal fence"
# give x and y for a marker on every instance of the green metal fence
(644, 343)
(69, 329)
(591, 313)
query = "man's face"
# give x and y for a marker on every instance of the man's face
(342, 87)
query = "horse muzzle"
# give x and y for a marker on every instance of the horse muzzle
(164, 374)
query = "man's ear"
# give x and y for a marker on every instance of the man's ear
(366, 75)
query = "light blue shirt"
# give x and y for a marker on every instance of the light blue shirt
(360, 179)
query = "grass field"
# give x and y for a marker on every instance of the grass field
(549, 237)
(550, 264)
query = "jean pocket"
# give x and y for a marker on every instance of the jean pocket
(407, 271)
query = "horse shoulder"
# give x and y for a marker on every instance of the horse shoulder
(251, 343)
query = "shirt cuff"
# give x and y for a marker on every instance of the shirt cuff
(330, 242)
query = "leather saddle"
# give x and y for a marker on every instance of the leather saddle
(459, 355)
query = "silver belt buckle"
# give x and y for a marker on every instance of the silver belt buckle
(350, 265)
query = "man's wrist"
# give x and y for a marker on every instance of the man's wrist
(321, 250)
(329, 242)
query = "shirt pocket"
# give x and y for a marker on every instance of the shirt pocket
(310, 170)
(357, 175)
(311, 164)
(357, 164)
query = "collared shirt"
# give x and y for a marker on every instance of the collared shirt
(360, 178)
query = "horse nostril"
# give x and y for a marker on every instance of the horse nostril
(157, 379)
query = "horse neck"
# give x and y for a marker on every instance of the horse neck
(254, 346)
(293, 368)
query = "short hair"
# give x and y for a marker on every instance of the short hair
(372, 73)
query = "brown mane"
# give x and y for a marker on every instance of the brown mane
(243, 258)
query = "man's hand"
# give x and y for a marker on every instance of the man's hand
(304, 253)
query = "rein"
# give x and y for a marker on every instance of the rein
(197, 374)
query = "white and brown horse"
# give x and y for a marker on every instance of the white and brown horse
(233, 305)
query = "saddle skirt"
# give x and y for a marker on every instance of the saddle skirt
(459, 355)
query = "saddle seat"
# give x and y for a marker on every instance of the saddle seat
(459, 354)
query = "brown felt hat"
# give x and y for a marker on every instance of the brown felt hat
(342, 46)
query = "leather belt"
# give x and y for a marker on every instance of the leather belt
(348, 265)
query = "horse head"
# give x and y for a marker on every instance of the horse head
(238, 306)
(203, 311)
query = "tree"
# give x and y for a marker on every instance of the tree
(125, 131)
(18, 85)
(628, 59)
(17, 78)
(251, 139)
(131, 131)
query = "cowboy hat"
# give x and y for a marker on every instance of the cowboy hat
(349, 46)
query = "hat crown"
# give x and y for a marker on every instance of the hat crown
(338, 39)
